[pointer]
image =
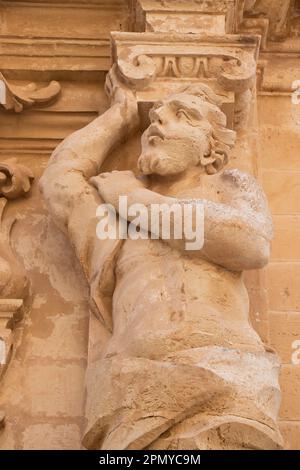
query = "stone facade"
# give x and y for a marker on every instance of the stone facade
(54, 58)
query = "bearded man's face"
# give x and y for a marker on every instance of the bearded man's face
(177, 137)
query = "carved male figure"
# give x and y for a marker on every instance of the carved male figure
(183, 368)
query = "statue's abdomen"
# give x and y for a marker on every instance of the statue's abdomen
(183, 369)
(169, 302)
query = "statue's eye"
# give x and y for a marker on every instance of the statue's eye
(181, 113)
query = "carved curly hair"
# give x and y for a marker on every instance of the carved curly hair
(205, 103)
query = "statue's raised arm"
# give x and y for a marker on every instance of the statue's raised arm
(71, 199)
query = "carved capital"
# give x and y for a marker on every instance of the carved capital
(17, 97)
(157, 64)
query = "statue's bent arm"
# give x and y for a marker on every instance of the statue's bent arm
(236, 236)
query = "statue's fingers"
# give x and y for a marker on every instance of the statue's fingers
(94, 181)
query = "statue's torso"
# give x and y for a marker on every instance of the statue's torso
(164, 298)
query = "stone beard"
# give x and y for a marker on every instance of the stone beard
(182, 368)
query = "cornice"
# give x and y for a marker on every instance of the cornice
(32, 36)
(103, 4)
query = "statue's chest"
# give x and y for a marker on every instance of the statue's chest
(207, 187)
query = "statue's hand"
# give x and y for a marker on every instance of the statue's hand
(116, 183)
(120, 93)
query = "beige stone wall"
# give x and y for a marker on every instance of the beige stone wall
(43, 391)
(279, 166)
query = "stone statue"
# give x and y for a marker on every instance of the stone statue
(182, 368)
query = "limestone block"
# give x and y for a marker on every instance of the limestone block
(290, 384)
(283, 286)
(283, 191)
(284, 330)
(291, 433)
(51, 437)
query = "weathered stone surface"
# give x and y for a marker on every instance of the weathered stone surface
(52, 340)
(291, 433)
(290, 383)
(160, 364)
(52, 437)
(283, 286)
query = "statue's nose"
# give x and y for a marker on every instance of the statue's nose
(158, 117)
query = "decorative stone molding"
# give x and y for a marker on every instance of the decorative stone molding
(33, 40)
(256, 26)
(15, 181)
(270, 18)
(17, 97)
(154, 63)
(216, 17)
(278, 23)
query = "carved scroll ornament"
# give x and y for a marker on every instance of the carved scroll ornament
(17, 97)
(142, 60)
(15, 181)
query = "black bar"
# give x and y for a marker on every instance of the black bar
(136, 459)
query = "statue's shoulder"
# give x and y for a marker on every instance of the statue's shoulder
(244, 186)
(239, 180)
